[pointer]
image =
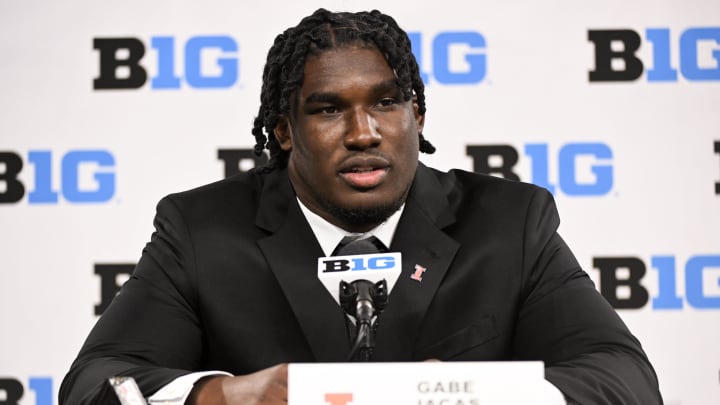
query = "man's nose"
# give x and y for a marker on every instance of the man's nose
(362, 131)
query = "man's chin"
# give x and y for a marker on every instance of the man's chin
(364, 218)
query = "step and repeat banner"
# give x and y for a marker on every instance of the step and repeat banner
(614, 106)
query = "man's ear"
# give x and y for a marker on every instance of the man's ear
(419, 119)
(283, 133)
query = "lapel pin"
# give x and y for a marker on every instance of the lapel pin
(419, 270)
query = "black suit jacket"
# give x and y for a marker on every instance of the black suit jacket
(228, 282)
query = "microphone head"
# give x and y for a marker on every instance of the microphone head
(353, 294)
(372, 267)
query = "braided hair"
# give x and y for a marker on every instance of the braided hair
(323, 30)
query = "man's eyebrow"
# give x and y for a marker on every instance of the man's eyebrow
(386, 86)
(316, 97)
(332, 98)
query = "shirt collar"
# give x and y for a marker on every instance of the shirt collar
(329, 235)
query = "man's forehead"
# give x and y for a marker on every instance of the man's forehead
(335, 67)
(321, 66)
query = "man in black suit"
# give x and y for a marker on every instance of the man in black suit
(226, 294)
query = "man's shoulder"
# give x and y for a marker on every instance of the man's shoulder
(241, 189)
(495, 202)
(465, 184)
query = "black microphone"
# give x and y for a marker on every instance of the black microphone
(364, 301)
(361, 284)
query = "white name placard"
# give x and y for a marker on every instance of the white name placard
(425, 383)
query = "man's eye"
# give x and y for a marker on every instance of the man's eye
(327, 110)
(388, 102)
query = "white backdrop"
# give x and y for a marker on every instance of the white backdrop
(634, 163)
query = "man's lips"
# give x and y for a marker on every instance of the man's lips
(364, 173)
(365, 178)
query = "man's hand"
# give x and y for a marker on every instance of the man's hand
(268, 386)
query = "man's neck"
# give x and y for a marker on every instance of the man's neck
(329, 234)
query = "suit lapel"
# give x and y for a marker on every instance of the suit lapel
(422, 242)
(292, 251)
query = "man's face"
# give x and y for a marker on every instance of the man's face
(352, 138)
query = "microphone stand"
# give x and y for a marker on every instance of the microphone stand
(364, 301)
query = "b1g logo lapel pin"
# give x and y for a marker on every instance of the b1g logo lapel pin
(417, 275)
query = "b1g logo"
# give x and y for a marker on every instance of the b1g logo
(620, 281)
(208, 62)
(86, 176)
(583, 169)
(240, 160)
(382, 261)
(458, 57)
(112, 277)
(12, 390)
(698, 50)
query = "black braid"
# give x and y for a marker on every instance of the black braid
(284, 68)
